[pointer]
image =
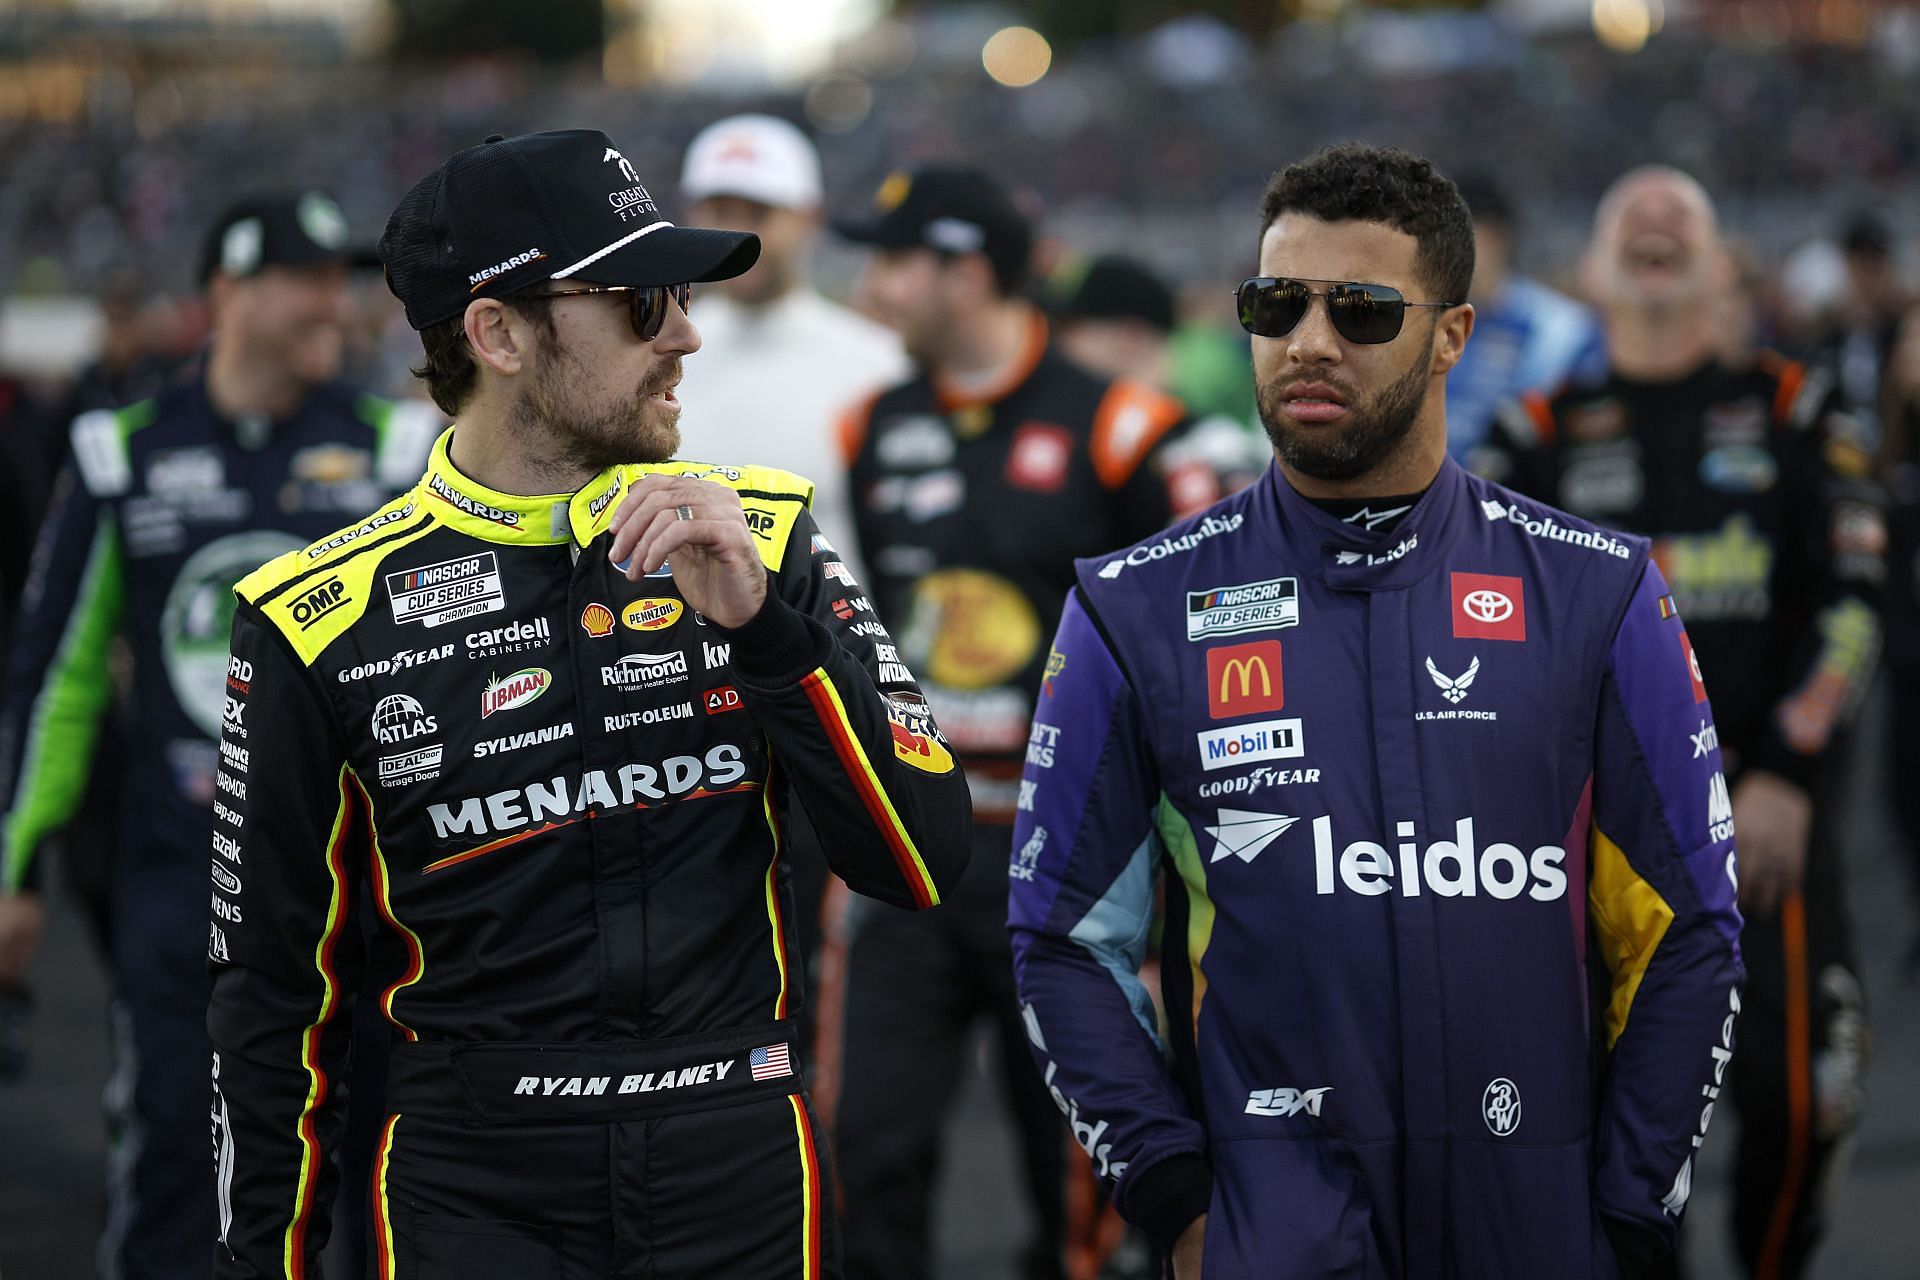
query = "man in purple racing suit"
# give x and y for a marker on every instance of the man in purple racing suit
(1450, 958)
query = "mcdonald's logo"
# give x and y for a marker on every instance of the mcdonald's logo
(1244, 679)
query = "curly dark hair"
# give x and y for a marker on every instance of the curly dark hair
(449, 369)
(1354, 182)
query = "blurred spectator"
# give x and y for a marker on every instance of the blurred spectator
(976, 482)
(1900, 414)
(1117, 318)
(1754, 485)
(778, 362)
(163, 506)
(1859, 332)
(128, 368)
(1525, 337)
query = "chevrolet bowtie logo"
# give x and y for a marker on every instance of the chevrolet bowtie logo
(1244, 834)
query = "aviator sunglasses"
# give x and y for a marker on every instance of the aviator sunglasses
(646, 304)
(1368, 314)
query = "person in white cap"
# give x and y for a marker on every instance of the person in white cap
(780, 362)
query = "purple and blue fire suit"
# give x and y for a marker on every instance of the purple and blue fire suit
(1450, 961)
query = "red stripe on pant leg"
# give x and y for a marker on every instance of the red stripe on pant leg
(1793, 947)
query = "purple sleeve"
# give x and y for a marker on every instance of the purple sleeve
(1080, 899)
(1661, 912)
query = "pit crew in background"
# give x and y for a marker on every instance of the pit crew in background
(1416, 761)
(163, 506)
(974, 485)
(554, 706)
(1756, 489)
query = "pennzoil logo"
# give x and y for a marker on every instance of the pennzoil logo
(651, 614)
(504, 693)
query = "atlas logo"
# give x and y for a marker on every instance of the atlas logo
(318, 602)
(1286, 1102)
(1721, 1054)
(1244, 680)
(1719, 809)
(1447, 868)
(399, 717)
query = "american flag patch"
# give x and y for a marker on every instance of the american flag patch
(820, 544)
(1667, 609)
(770, 1062)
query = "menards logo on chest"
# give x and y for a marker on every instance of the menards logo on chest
(504, 693)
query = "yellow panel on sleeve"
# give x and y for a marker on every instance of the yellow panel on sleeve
(1629, 918)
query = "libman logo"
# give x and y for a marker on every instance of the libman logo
(504, 693)
(1675, 1201)
(1455, 868)
(652, 614)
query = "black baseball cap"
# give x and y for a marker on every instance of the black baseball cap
(511, 212)
(1112, 287)
(263, 231)
(950, 209)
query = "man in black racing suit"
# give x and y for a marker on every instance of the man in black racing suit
(562, 762)
(1755, 487)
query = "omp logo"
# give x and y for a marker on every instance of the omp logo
(1453, 868)
(1244, 679)
(317, 602)
(761, 523)
(600, 790)
(1721, 1054)
(1246, 743)
(1210, 527)
(1286, 1102)
(520, 259)
(1719, 808)
(504, 693)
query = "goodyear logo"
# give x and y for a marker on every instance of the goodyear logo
(651, 614)
(317, 602)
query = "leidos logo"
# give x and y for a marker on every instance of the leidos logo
(1448, 868)
(1244, 680)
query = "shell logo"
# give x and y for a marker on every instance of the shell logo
(597, 621)
(652, 614)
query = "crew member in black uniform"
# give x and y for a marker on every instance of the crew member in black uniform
(554, 708)
(1755, 487)
(975, 484)
(163, 505)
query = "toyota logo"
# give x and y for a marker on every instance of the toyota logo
(1487, 606)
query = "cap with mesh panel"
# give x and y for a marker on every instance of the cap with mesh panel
(512, 212)
(951, 209)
